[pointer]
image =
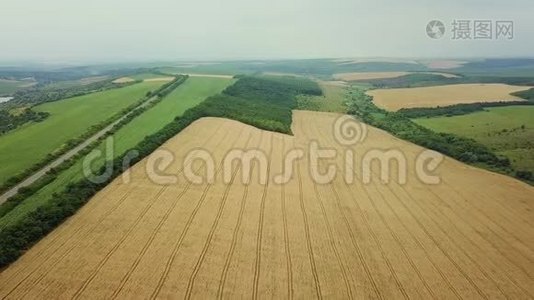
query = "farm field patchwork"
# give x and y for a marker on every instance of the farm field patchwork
(350, 61)
(73, 83)
(8, 87)
(359, 76)
(188, 94)
(470, 236)
(150, 77)
(69, 119)
(146, 77)
(509, 131)
(444, 64)
(395, 99)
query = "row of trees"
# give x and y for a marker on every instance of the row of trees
(527, 94)
(456, 109)
(428, 79)
(463, 149)
(9, 121)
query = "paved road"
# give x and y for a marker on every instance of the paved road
(40, 173)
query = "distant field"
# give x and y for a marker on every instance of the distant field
(79, 82)
(320, 68)
(333, 99)
(211, 75)
(187, 95)
(367, 75)
(444, 64)
(349, 61)
(123, 80)
(515, 67)
(214, 68)
(145, 76)
(446, 75)
(356, 76)
(8, 87)
(395, 99)
(508, 130)
(69, 118)
(163, 79)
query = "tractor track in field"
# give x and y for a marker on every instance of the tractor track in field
(303, 239)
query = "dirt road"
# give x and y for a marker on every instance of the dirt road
(68, 155)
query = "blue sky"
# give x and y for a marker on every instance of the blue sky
(120, 30)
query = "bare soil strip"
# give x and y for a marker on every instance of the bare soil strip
(470, 236)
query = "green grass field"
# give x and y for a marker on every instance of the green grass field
(509, 131)
(69, 118)
(187, 95)
(333, 99)
(8, 87)
(193, 91)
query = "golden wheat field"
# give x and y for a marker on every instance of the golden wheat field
(470, 236)
(395, 99)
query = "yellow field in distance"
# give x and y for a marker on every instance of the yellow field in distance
(395, 99)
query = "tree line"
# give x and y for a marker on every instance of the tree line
(9, 121)
(427, 79)
(456, 109)
(463, 149)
